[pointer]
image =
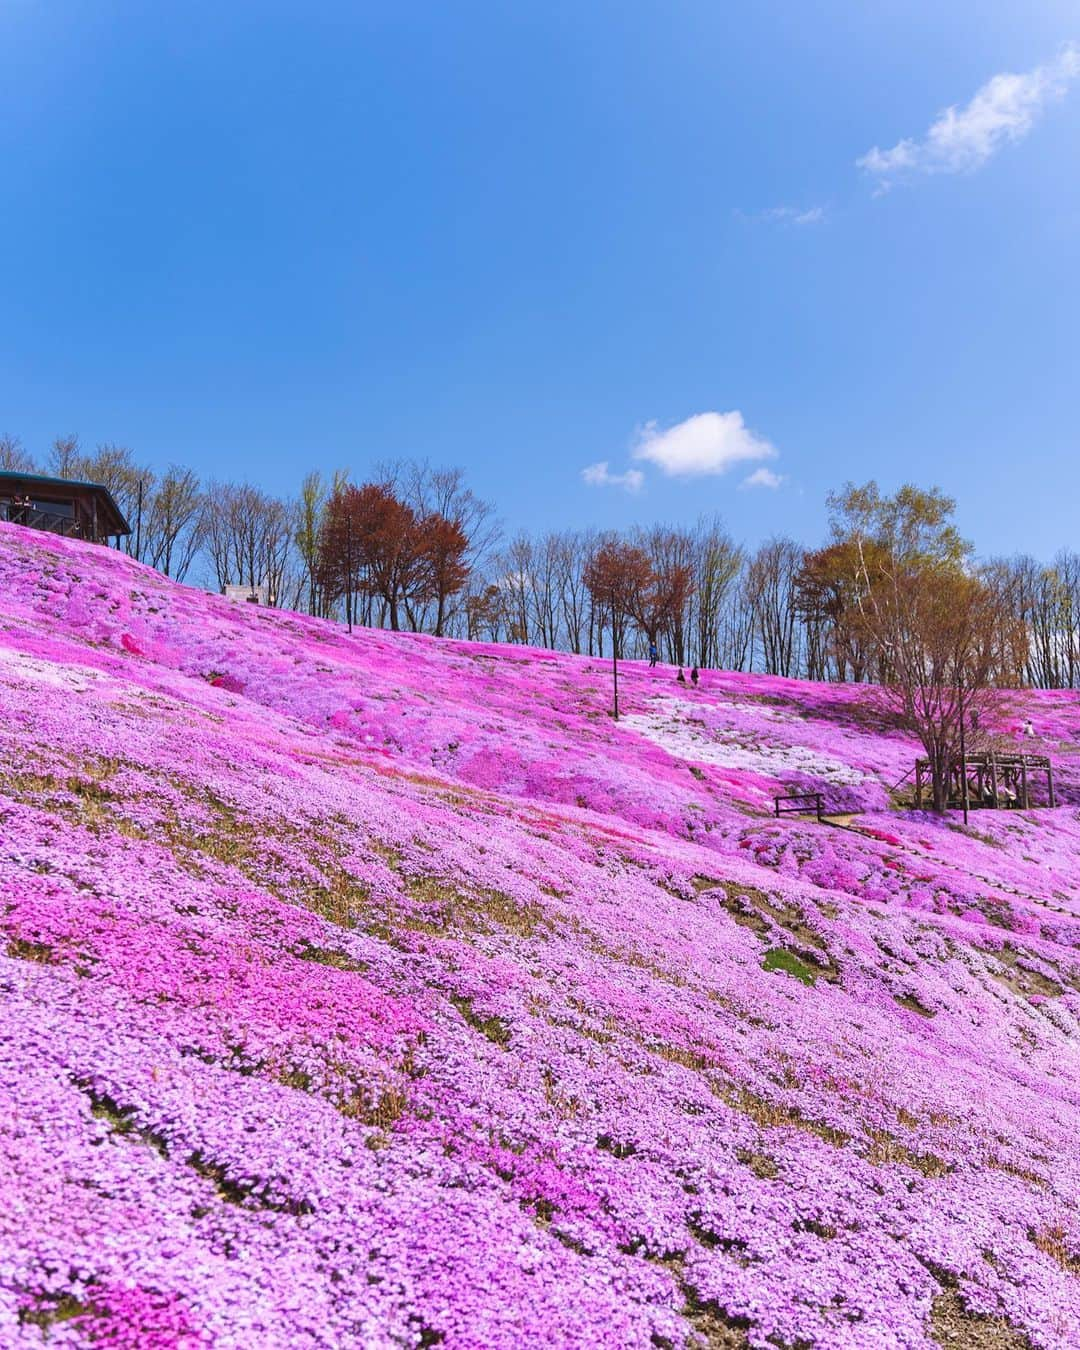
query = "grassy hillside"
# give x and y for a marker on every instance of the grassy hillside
(381, 991)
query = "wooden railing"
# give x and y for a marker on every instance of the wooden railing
(799, 804)
(49, 521)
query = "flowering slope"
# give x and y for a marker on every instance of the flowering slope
(382, 991)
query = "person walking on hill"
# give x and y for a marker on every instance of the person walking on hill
(654, 656)
(680, 678)
(694, 677)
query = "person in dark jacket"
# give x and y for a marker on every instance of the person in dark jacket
(680, 678)
(694, 677)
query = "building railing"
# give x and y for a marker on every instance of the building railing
(34, 519)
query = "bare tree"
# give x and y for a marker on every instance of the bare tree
(174, 522)
(114, 467)
(770, 593)
(307, 529)
(573, 549)
(13, 457)
(514, 567)
(717, 563)
(63, 456)
(248, 538)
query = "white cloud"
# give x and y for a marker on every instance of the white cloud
(795, 215)
(707, 443)
(962, 139)
(762, 478)
(597, 475)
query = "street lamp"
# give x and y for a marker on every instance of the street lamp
(348, 570)
(963, 753)
(614, 654)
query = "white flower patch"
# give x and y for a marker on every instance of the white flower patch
(764, 712)
(679, 731)
(21, 666)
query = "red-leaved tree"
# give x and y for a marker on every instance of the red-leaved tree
(619, 577)
(374, 545)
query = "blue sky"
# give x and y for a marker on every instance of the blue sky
(534, 238)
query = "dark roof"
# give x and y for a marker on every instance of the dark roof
(29, 480)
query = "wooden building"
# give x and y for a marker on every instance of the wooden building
(61, 506)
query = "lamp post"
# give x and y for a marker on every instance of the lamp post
(614, 654)
(963, 754)
(348, 570)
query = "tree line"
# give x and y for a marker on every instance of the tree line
(894, 596)
(415, 548)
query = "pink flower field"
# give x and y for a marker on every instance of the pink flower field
(381, 991)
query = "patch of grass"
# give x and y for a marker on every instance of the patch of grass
(390, 855)
(94, 805)
(1021, 977)
(770, 917)
(381, 1111)
(40, 952)
(23, 784)
(704, 1235)
(912, 1004)
(762, 1166)
(1055, 1243)
(1012, 1170)
(568, 1108)
(780, 958)
(772, 1115)
(342, 900)
(53, 1310)
(885, 1150)
(951, 1324)
(328, 956)
(701, 883)
(297, 1079)
(827, 1231)
(617, 1148)
(494, 1028)
(680, 1054)
(121, 1120)
(714, 1327)
(236, 1193)
(90, 789)
(483, 909)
